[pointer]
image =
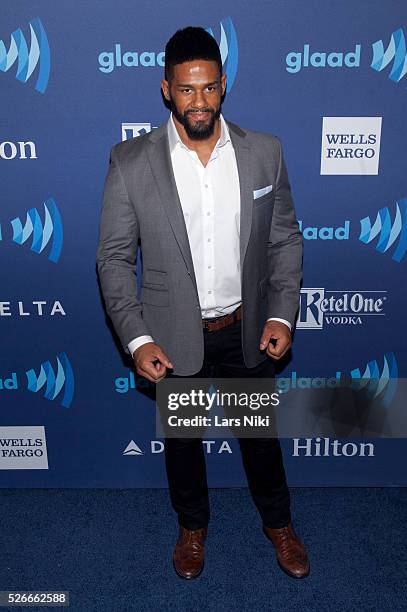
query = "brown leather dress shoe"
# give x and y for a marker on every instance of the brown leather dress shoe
(291, 554)
(189, 552)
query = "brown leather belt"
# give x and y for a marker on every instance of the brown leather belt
(221, 322)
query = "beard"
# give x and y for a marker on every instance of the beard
(197, 130)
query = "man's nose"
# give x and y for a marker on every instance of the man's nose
(200, 100)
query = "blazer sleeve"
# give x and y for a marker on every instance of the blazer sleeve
(285, 248)
(116, 257)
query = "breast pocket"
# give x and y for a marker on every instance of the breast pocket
(262, 213)
(268, 198)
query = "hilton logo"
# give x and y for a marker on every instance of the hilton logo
(325, 447)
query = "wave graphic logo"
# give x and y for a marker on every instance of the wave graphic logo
(41, 232)
(56, 382)
(228, 50)
(396, 52)
(376, 382)
(28, 59)
(388, 232)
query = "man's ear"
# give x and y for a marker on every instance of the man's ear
(165, 89)
(223, 80)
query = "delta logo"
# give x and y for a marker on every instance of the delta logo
(392, 57)
(156, 447)
(385, 231)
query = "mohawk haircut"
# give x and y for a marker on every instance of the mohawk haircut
(188, 44)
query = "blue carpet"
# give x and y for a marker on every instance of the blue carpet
(111, 549)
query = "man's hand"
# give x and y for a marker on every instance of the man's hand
(280, 333)
(151, 362)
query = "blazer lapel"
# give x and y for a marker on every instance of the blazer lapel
(245, 169)
(160, 161)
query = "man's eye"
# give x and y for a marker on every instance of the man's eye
(211, 88)
(185, 90)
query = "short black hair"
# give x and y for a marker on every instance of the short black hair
(190, 44)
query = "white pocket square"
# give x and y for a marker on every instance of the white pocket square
(257, 193)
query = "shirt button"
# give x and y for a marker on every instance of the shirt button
(209, 267)
(209, 239)
(206, 186)
(209, 291)
(207, 214)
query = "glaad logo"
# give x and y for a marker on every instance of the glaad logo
(228, 50)
(396, 52)
(350, 145)
(62, 379)
(387, 230)
(22, 150)
(323, 306)
(375, 381)
(38, 54)
(55, 381)
(131, 130)
(295, 61)
(109, 60)
(40, 232)
(325, 233)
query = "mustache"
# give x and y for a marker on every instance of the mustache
(200, 110)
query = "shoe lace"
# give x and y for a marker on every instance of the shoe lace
(287, 539)
(195, 541)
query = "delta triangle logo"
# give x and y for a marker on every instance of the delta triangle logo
(132, 449)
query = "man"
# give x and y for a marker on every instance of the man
(210, 204)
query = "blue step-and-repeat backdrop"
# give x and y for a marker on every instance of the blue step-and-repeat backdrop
(329, 79)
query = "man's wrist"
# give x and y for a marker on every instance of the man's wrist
(137, 342)
(281, 321)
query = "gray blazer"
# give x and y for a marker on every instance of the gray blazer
(141, 203)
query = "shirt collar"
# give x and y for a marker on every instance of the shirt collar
(174, 137)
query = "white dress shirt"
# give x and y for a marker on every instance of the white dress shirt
(210, 201)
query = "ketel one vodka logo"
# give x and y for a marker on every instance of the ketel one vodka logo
(322, 306)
